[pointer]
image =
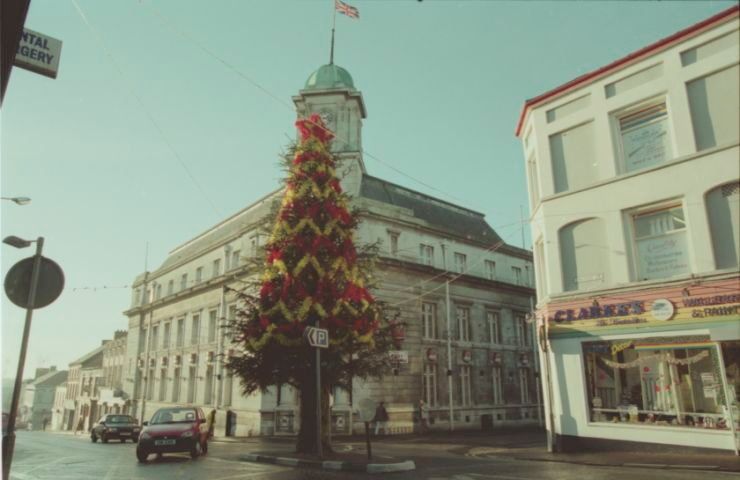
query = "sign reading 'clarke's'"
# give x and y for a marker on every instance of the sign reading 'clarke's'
(38, 53)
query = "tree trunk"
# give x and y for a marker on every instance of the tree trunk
(307, 433)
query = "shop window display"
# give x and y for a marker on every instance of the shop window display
(676, 382)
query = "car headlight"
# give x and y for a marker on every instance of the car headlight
(145, 436)
(187, 434)
(112, 429)
(137, 429)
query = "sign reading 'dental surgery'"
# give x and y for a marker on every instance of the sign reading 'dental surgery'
(38, 53)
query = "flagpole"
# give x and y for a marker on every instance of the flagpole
(333, 25)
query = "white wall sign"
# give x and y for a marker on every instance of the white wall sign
(399, 356)
(662, 309)
(38, 53)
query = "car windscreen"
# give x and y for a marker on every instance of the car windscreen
(174, 415)
(120, 419)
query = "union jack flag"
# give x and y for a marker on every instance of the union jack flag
(346, 9)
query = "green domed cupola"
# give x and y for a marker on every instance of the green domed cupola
(329, 76)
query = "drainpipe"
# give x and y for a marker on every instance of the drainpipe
(535, 349)
(449, 341)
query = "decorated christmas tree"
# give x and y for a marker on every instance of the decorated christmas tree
(313, 275)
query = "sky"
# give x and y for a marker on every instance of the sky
(167, 116)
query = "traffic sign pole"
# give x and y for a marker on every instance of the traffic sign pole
(318, 403)
(9, 439)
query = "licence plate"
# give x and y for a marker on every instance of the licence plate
(125, 434)
(164, 442)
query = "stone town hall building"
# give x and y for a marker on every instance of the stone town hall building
(176, 345)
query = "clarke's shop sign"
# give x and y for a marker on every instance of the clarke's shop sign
(666, 306)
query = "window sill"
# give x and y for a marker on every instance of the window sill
(626, 175)
(662, 428)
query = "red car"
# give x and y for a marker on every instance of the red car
(175, 429)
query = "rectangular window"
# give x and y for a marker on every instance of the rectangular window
(176, 381)
(430, 384)
(524, 385)
(658, 381)
(522, 329)
(393, 243)
(494, 327)
(158, 291)
(180, 332)
(235, 259)
(463, 323)
(183, 281)
(645, 139)
(216, 269)
(461, 263)
(465, 389)
(195, 332)
(498, 385)
(660, 243)
(516, 273)
(714, 101)
(573, 156)
(142, 339)
(166, 337)
(490, 269)
(198, 275)
(191, 385)
(426, 254)
(253, 246)
(212, 321)
(162, 384)
(155, 338)
(429, 319)
(170, 287)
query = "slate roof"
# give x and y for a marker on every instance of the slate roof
(90, 356)
(52, 378)
(455, 220)
(447, 217)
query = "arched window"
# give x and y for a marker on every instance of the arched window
(584, 254)
(723, 210)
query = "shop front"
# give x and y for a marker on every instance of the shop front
(658, 365)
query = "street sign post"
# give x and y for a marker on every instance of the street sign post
(32, 283)
(317, 338)
(367, 413)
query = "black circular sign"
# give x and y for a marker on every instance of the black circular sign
(50, 283)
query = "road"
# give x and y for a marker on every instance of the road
(49, 456)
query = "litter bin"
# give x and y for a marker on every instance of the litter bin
(486, 422)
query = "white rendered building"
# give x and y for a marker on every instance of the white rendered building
(633, 173)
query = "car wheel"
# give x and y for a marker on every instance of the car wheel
(135, 440)
(141, 455)
(104, 439)
(93, 438)
(196, 450)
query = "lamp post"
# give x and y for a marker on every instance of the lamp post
(18, 200)
(9, 439)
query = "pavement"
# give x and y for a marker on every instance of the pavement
(512, 444)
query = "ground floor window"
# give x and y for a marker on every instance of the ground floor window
(524, 385)
(465, 385)
(498, 385)
(661, 381)
(429, 381)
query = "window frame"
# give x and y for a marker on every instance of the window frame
(463, 321)
(619, 114)
(633, 240)
(429, 319)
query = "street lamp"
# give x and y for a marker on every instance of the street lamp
(8, 444)
(18, 200)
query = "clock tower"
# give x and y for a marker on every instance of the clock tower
(330, 92)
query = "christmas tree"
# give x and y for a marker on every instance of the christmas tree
(313, 275)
